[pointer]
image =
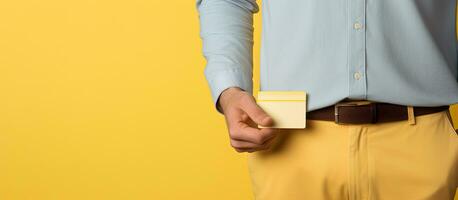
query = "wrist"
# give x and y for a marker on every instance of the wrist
(226, 96)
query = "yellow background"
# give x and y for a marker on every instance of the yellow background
(107, 100)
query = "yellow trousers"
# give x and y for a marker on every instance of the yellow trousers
(386, 161)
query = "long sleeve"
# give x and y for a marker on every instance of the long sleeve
(226, 30)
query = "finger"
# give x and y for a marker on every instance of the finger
(263, 147)
(255, 112)
(249, 145)
(240, 144)
(267, 145)
(242, 150)
(250, 134)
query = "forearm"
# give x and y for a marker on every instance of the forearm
(226, 29)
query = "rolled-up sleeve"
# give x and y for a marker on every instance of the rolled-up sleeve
(226, 30)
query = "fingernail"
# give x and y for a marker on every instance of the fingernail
(266, 120)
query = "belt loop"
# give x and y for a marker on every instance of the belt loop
(411, 115)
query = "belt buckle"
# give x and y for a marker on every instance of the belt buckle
(349, 103)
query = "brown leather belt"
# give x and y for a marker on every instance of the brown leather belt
(364, 111)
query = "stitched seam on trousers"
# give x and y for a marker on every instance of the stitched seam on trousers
(368, 175)
(362, 164)
(350, 165)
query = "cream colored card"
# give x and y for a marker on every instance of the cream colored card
(287, 108)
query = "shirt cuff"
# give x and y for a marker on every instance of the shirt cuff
(220, 80)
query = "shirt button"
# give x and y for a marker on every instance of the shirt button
(357, 75)
(357, 26)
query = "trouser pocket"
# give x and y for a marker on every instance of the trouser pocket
(450, 124)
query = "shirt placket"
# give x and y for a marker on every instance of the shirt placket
(357, 49)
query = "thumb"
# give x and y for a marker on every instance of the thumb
(256, 113)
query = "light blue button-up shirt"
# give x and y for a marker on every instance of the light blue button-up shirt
(396, 51)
